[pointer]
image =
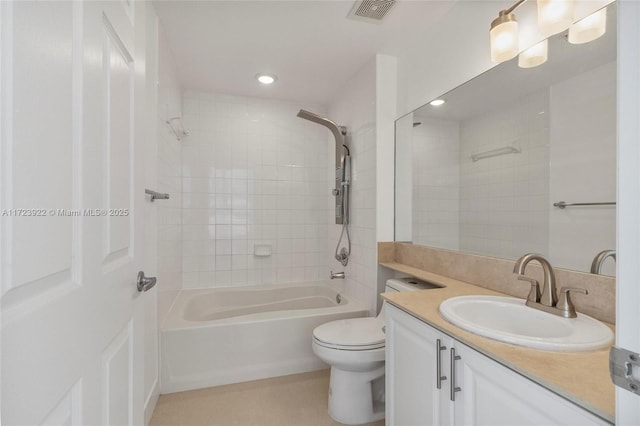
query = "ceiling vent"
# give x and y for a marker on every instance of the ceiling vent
(371, 10)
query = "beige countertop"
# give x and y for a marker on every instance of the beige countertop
(581, 377)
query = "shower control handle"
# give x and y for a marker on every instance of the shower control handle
(335, 192)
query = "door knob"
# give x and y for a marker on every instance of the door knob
(145, 283)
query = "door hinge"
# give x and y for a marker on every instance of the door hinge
(621, 368)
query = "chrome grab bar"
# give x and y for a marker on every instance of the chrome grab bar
(562, 204)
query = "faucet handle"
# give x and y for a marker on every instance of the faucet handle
(534, 293)
(565, 304)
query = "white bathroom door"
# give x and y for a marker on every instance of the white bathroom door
(71, 88)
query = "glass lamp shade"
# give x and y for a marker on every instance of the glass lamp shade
(504, 38)
(589, 28)
(554, 16)
(534, 56)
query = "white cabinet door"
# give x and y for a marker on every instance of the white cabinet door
(72, 83)
(493, 395)
(412, 396)
(487, 392)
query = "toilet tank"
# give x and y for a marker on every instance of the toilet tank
(409, 284)
(405, 284)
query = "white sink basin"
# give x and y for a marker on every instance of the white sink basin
(509, 320)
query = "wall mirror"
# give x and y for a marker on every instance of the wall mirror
(481, 173)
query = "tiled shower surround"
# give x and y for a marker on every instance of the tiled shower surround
(256, 192)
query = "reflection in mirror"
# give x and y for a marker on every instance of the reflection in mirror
(480, 173)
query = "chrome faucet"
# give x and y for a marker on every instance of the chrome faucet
(548, 295)
(546, 300)
(339, 275)
(596, 265)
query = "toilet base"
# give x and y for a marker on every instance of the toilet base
(356, 397)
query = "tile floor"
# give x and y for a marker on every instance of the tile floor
(296, 400)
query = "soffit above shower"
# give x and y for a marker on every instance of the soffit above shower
(219, 46)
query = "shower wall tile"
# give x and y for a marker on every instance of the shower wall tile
(436, 180)
(253, 174)
(504, 200)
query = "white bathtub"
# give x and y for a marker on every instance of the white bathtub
(213, 337)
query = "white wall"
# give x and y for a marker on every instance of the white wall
(254, 174)
(455, 50)
(169, 166)
(403, 191)
(150, 214)
(583, 119)
(386, 90)
(356, 109)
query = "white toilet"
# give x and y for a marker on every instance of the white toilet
(355, 350)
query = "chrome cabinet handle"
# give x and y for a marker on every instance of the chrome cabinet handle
(145, 283)
(439, 376)
(454, 388)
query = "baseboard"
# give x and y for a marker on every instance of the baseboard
(150, 403)
(243, 375)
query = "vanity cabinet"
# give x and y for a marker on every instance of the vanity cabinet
(487, 392)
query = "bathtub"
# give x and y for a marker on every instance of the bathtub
(219, 336)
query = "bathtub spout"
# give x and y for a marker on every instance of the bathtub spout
(339, 275)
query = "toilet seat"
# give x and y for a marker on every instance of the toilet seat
(354, 334)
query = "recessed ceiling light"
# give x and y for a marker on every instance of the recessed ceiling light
(266, 78)
(436, 102)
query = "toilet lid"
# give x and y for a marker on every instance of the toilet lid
(351, 332)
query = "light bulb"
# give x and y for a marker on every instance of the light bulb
(554, 16)
(266, 78)
(504, 37)
(534, 56)
(589, 28)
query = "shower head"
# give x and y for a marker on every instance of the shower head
(342, 160)
(338, 131)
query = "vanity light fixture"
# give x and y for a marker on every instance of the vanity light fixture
(266, 79)
(554, 16)
(589, 28)
(534, 56)
(437, 102)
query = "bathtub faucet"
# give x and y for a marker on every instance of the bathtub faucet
(335, 275)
